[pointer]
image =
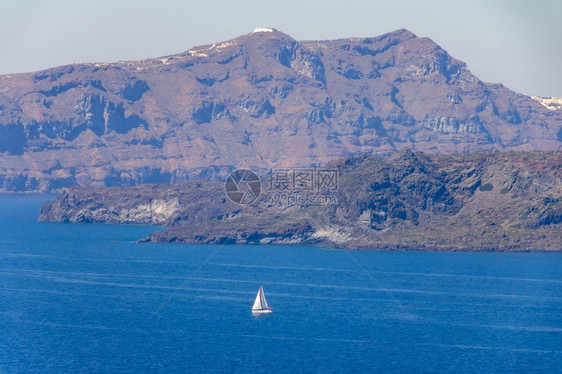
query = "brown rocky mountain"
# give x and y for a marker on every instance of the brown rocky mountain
(261, 100)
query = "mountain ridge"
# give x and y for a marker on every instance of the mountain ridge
(260, 100)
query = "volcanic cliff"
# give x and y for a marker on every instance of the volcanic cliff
(260, 100)
(508, 201)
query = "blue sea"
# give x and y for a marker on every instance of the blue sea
(86, 298)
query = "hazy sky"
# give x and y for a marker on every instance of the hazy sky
(513, 42)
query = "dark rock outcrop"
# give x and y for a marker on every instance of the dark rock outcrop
(493, 202)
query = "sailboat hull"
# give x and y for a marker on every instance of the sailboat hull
(261, 311)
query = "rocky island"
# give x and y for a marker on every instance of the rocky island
(462, 202)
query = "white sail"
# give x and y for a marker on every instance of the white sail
(263, 300)
(257, 303)
(260, 304)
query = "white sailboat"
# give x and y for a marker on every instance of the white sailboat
(260, 304)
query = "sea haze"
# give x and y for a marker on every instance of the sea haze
(87, 298)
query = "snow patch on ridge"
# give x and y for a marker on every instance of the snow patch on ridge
(552, 103)
(261, 29)
(197, 53)
(220, 46)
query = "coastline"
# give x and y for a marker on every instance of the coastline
(486, 203)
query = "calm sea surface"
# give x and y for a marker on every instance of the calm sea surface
(85, 298)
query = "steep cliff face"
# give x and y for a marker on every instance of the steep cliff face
(192, 201)
(506, 202)
(259, 100)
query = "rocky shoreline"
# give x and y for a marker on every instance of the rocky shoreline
(410, 201)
